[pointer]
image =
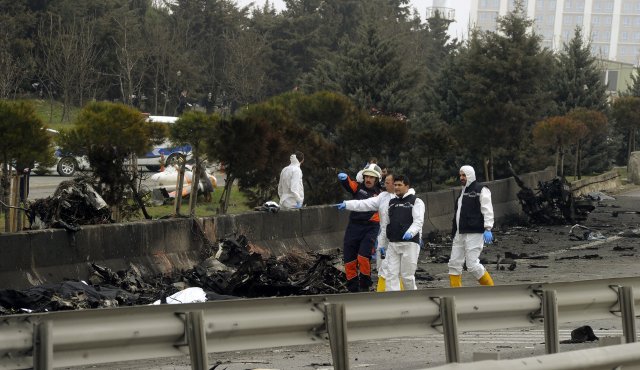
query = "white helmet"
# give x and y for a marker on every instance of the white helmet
(372, 170)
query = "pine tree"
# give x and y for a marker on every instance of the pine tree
(498, 90)
(634, 89)
(578, 82)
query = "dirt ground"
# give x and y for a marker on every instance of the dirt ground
(560, 258)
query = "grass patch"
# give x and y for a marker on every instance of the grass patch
(236, 205)
(52, 116)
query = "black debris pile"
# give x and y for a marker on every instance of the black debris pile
(505, 263)
(552, 203)
(585, 257)
(235, 270)
(74, 203)
(619, 248)
(147, 289)
(524, 256)
(68, 295)
(423, 275)
(581, 335)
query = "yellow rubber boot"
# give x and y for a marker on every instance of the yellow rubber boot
(382, 284)
(486, 279)
(455, 281)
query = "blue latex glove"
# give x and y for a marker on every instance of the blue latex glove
(342, 205)
(488, 237)
(407, 236)
(383, 252)
(342, 176)
(298, 205)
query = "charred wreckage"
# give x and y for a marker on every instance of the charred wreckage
(552, 203)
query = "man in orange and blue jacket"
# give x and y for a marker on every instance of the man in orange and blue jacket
(362, 230)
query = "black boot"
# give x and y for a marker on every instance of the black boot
(365, 283)
(352, 285)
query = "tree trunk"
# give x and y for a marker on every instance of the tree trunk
(579, 160)
(491, 173)
(178, 197)
(195, 184)
(575, 161)
(6, 189)
(557, 159)
(485, 168)
(561, 174)
(629, 144)
(226, 194)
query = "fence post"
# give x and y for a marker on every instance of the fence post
(43, 345)
(450, 328)
(336, 322)
(13, 212)
(627, 309)
(197, 340)
(180, 182)
(550, 313)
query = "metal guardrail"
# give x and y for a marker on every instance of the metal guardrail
(95, 336)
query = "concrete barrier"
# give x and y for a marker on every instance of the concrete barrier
(606, 181)
(160, 246)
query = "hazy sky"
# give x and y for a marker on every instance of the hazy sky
(457, 29)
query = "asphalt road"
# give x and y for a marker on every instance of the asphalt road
(565, 259)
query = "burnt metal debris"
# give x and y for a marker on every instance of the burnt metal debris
(74, 203)
(553, 202)
(231, 271)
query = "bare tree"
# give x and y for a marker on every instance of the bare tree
(245, 69)
(131, 57)
(167, 56)
(10, 75)
(67, 57)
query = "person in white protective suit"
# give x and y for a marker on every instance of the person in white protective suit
(472, 224)
(290, 187)
(400, 234)
(380, 204)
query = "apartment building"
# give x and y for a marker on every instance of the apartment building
(613, 26)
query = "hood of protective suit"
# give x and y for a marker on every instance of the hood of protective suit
(470, 173)
(294, 160)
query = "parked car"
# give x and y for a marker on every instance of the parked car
(65, 164)
(68, 164)
(165, 151)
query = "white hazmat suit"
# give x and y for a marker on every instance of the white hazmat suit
(402, 256)
(466, 247)
(290, 188)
